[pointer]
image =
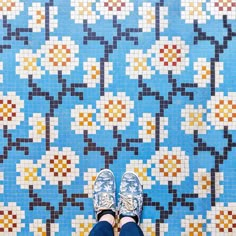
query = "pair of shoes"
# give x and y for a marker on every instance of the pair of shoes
(131, 194)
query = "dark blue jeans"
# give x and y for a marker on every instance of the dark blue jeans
(103, 228)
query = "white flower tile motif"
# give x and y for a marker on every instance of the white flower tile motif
(29, 64)
(93, 75)
(39, 128)
(222, 111)
(169, 55)
(90, 177)
(221, 8)
(148, 17)
(194, 11)
(222, 219)
(148, 227)
(11, 9)
(194, 119)
(119, 9)
(38, 228)
(148, 124)
(83, 11)
(11, 113)
(194, 226)
(170, 165)
(84, 120)
(11, 218)
(138, 65)
(59, 55)
(142, 170)
(203, 187)
(115, 111)
(37, 12)
(204, 71)
(29, 175)
(82, 225)
(60, 166)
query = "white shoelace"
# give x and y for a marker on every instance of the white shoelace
(105, 202)
(128, 202)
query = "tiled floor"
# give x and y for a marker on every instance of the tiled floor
(147, 86)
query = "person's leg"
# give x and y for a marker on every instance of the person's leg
(131, 229)
(102, 228)
(130, 205)
(104, 203)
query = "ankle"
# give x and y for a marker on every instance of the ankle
(126, 219)
(108, 218)
(134, 217)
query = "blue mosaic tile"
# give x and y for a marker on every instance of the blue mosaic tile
(146, 86)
